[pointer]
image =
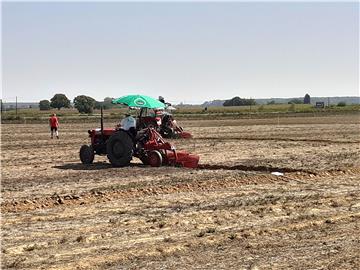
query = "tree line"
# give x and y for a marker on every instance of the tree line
(237, 101)
(84, 104)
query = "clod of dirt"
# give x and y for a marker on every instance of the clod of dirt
(60, 201)
(160, 249)
(203, 232)
(97, 192)
(177, 209)
(63, 240)
(153, 220)
(16, 263)
(80, 239)
(334, 204)
(329, 221)
(161, 224)
(113, 220)
(30, 247)
(354, 206)
(168, 239)
(232, 236)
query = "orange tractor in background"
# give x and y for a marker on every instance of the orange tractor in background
(163, 122)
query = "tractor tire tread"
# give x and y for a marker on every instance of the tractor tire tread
(124, 140)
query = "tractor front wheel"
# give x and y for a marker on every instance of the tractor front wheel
(86, 154)
(119, 149)
(155, 159)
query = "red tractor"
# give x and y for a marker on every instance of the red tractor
(146, 144)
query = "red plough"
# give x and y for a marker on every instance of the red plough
(155, 151)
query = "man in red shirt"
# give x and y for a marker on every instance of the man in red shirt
(54, 124)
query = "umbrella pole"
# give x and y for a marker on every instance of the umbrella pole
(140, 116)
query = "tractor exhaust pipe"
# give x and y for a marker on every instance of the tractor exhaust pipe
(102, 121)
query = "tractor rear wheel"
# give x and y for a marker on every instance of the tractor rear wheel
(86, 154)
(119, 149)
(155, 159)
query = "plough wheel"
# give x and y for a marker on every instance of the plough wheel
(155, 159)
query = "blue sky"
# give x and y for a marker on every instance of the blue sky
(188, 52)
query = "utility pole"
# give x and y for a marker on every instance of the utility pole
(250, 103)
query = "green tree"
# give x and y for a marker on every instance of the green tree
(108, 100)
(106, 104)
(44, 105)
(237, 101)
(341, 104)
(59, 101)
(295, 101)
(307, 99)
(84, 104)
(99, 104)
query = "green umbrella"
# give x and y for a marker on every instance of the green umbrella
(139, 101)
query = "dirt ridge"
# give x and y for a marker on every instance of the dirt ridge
(96, 196)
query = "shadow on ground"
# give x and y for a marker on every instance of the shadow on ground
(90, 167)
(215, 167)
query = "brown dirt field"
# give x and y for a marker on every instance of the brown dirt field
(230, 213)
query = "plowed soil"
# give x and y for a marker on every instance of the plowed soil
(230, 213)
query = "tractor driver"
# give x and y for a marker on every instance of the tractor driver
(128, 124)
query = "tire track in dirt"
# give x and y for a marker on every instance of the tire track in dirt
(227, 244)
(276, 139)
(138, 189)
(69, 178)
(41, 144)
(99, 250)
(253, 168)
(99, 253)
